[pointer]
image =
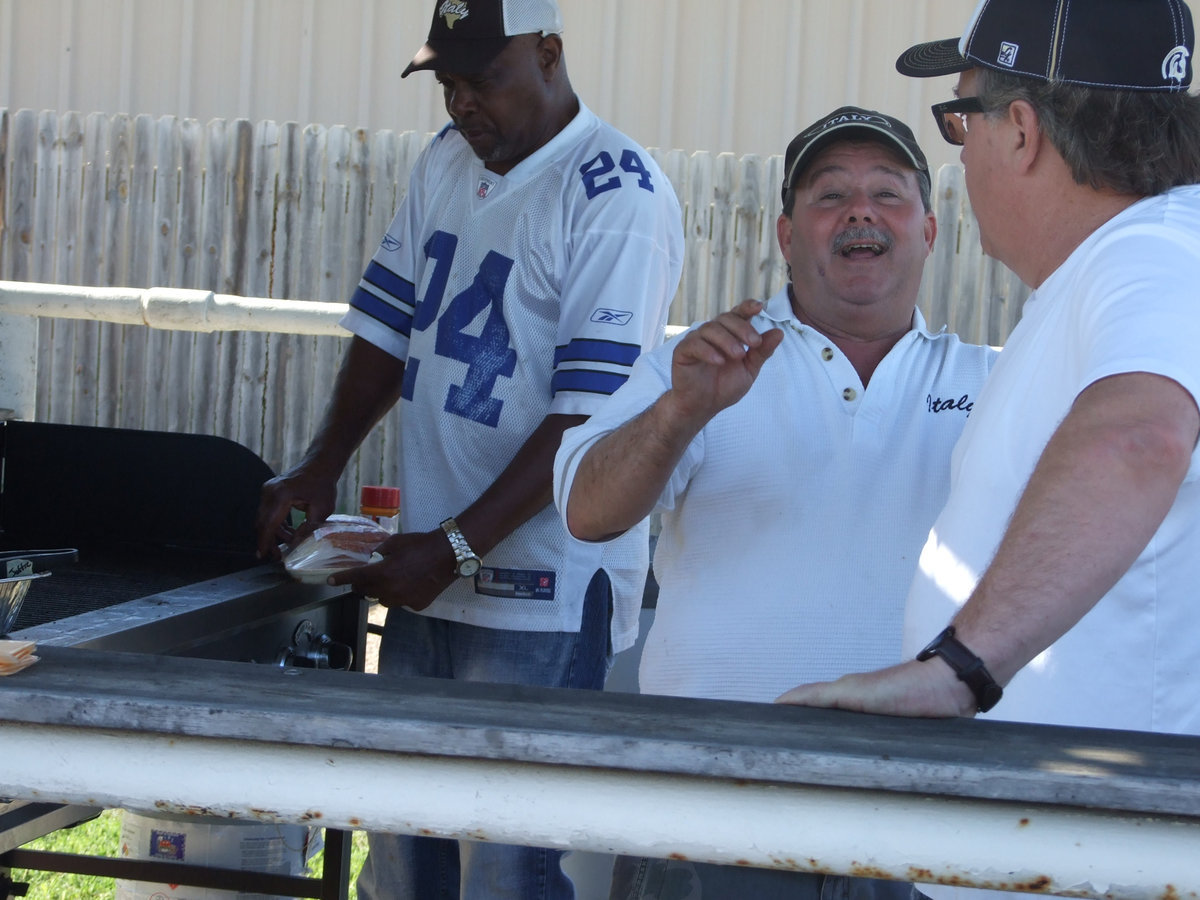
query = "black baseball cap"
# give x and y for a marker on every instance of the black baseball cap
(466, 35)
(850, 122)
(1128, 45)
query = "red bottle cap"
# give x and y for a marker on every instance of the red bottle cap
(380, 497)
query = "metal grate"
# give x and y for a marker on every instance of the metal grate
(99, 581)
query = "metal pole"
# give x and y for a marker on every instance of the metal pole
(982, 843)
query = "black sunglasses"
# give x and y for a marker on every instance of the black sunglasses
(951, 117)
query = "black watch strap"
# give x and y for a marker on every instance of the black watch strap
(967, 666)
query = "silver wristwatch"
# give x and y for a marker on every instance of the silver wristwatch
(466, 563)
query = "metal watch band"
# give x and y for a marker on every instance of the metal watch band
(967, 666)
(463, 554)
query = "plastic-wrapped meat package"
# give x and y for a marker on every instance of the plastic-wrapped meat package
(340, 542)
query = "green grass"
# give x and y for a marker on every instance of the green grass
(101, 837)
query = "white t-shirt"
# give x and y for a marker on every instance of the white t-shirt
(791, 526)
(510, 298)
(1127, 300)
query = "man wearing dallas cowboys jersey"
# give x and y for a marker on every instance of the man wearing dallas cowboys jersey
(532, 261)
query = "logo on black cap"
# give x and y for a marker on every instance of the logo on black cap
(1174, 67)
(452, 11)
(853, 117)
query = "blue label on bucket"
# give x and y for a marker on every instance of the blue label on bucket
(166, 845)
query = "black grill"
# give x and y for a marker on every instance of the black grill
(148, 511)
(164, 526)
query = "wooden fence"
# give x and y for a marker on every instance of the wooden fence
(289, 211)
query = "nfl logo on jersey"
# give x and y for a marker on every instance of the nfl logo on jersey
(485, 188)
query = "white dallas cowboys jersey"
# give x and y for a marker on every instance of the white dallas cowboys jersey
(512, 297)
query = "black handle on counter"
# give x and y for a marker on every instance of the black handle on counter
(14, 563)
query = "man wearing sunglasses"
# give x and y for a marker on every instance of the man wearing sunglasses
(1065, 565)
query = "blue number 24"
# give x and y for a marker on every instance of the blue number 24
(488, 355)
(602, 164)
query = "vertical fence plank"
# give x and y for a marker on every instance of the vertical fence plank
(934, 297)
(45, 227)
(698, 237)
(21, 195)
(310, 389)
(189, 237)
(164, 409)
(115, 266)
(135, 341)
(207, 347)
(724, 223)
(93, 250)
(674, 164)
(772, 268)
(45, 198)
(1006, 295)
(186, 261)
(259, 217)
(282, 399)
(751, 205)
(70, 199)
(59, 343)
(235, 226)
(5, 176)
(332, 271)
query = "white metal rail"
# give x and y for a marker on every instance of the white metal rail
(169, 309)
(1077, 812)
(173, 309)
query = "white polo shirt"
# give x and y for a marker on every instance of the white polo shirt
(792, 524)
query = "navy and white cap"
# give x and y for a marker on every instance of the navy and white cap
(845, 123)
(466, 35)
(1127, 45)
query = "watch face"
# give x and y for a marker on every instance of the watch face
(468, 567)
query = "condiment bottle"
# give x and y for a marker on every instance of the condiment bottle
(381, 504)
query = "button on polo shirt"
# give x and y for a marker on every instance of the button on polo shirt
(842, 378)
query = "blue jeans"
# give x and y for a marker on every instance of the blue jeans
(399, 867)
(669, 879)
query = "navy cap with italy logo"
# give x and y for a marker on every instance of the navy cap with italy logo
(466, 35)
(848, 123)
(1127, 45)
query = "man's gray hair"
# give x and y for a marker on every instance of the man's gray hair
(1132, 142)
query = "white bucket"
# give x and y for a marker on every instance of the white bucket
(247, 846)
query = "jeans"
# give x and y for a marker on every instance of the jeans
(669, 879)
(399, 867)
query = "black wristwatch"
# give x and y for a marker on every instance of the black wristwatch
(967, 666)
